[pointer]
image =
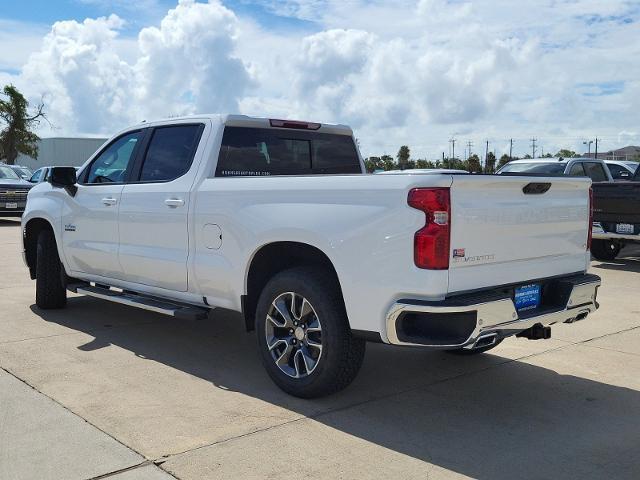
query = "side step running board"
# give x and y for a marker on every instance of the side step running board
(178, 310)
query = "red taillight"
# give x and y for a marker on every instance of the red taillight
(431, 243)
(274, 122)
(590, 226)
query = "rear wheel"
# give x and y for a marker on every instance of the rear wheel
(605, 249)
(303, 334)
(51, 291)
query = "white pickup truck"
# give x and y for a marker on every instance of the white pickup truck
(277, 219)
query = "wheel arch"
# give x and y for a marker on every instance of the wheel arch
(31, 231)
(275, 257)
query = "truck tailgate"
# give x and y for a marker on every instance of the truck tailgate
(616, 203)
(501, 235)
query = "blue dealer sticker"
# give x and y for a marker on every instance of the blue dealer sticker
(527, 297)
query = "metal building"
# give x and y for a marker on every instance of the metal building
(61, 151)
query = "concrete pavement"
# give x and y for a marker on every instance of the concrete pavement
(191, 399)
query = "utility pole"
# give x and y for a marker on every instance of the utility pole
(588, 147)
(596, 147)
(469, 145)
(510, 149)
(486, 154)
(452, 141)
(533, 147)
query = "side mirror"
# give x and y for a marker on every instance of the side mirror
(64, 177)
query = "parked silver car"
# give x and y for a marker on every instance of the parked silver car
(597, 170)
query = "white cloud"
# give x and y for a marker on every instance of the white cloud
(411, 71)
(185, 65)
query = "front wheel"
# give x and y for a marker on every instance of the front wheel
(605, 250)
(51, 291)
(303, 334)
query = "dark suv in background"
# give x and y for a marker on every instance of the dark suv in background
(13, 192)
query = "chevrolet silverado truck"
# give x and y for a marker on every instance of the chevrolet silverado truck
(13, 192)
(616, 217)
(276, 219)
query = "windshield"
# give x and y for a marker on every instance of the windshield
(23, 171)
(7, 174)
(548, 168)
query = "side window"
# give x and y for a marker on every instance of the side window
(111, 165)
(577, 170)
(170, 152)
(618, 172)
(36, 177)
(595, 171)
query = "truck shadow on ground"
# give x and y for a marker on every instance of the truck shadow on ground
(6, 222)
(485, 417)
(627, 261)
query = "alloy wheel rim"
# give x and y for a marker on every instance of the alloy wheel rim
(294, 335)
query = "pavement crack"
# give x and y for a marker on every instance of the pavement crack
(72, 412)
(122, 470)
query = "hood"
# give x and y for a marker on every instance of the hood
(13, 183)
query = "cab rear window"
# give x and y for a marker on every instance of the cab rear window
(249, 151)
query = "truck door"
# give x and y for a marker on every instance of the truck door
(90, 218)
(154, 208)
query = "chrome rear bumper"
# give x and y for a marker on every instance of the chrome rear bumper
(598, 233)
(495, 313)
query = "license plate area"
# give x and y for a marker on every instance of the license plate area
(527, 297)
(625, 228)
(10, 205)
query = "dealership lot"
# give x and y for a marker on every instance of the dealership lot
(100, 389)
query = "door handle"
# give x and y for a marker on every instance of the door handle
(109, 201)
(174, 202)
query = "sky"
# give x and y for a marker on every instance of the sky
(403, 72)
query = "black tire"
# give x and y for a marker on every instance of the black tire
(341, 354)
(605, 250)
(51, 290)
(474, 351)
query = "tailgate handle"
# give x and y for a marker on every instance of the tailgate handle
(536, 188)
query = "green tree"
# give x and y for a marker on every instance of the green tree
(423, 163)
(453, 163)
(403, 157)
(372, 164)
(388, 163)
(564, 153)
(16, 135)
(473, 164)
(490, 164)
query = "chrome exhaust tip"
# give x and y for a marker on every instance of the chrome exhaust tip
(485, 340)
